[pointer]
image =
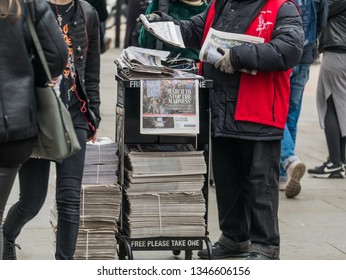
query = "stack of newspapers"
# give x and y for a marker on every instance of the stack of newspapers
(142, 63)
(99, 205)
(135, 62)
(101, 162)
(163, 191)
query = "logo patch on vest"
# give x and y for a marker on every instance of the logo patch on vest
(262, 24)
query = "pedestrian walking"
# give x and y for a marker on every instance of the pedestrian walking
(134, 9)
(79, 89)
(101, 8)
(331, 92)
(314, 15)
(20, 70)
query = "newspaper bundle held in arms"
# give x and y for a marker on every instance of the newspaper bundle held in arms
(218, 39)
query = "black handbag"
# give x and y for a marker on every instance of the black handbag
(56, 137)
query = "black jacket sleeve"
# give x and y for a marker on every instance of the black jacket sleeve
(92, 66)
(282, 52)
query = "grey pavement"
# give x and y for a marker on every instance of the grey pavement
(312, 225)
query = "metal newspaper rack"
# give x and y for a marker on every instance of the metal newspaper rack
(128, 132)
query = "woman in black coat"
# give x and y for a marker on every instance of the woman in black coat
(78, 86)
(18, 125)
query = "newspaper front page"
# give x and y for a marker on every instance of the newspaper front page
(169, 107)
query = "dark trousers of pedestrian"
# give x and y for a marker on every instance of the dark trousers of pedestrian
(34, 180)
(12, 155)
(335, 142)
(246, 175)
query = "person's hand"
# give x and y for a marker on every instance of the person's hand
(224, 63)
(55, 80)
(93, 138)
(153, 17)
(150, 17)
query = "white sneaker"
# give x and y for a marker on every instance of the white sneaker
(295, 171)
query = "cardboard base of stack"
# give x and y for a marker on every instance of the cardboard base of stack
(100, 203)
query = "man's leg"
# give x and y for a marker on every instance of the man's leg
(299, 78)
(263, 158)
(232, 213)
(293, 167)
(287, 156)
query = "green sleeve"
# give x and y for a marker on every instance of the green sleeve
(145, 39)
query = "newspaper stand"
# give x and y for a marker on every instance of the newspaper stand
(128, 132)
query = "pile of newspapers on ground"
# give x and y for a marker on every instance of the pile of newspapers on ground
(164, 191)
(100, 203)
(137, 63)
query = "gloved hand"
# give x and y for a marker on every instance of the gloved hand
(153, 17)
(224, 62)
(150, 17)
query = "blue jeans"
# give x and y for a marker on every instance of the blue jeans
(34, 179)
(299, 78)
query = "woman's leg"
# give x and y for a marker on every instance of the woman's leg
(68, 187)
(13, 154)
(33, 182)
(7, 177)
(332, 132)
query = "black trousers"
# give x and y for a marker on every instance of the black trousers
(34, 179)
(335, 141)
(12, 155)
(246, 175)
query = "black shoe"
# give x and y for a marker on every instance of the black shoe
(254, 256)
(221, 252)
(328, 170)
(9, 250)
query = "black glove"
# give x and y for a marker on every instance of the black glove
(224, 63)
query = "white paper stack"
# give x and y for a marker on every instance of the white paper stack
(101, 162)
(98, 227)
(99, 205)
(163, 191)
(100, 210)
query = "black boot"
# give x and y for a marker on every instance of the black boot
(9, 250)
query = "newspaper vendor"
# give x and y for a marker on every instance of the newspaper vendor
(249, 106)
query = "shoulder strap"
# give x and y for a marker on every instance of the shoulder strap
(37, 44)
